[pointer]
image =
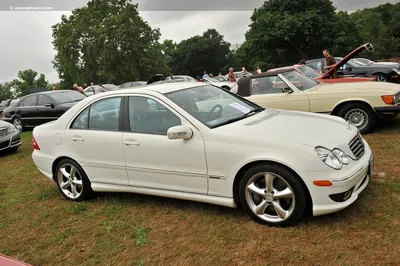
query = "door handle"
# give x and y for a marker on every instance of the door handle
(131, 142)
(77, 138)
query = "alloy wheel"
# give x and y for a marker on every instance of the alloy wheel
(70, 181)
(17, 124)
(358, 118)
(270, 197)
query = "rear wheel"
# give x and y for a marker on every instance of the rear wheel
(382, 78)
(72, 181)
(273, 195)
(359, 115)
(18, 123)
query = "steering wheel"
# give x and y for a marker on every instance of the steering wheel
(212, 111)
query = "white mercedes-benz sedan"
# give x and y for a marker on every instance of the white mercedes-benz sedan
(196, 142)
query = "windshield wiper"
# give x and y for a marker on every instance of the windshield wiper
(255, 110)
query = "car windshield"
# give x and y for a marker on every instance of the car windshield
(309, 72)
(300, 81)
(212, 106)
(14, 102)
(67, 96)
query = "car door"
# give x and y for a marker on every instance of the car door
(268, 92)
(46, 109)
(155, 161)
(27, 111)
(94, 139)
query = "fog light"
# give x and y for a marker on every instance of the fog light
(347, 195)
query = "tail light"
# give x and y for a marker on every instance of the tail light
(35, 145)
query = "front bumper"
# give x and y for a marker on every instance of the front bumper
(10, 141)
(352, 179)
(388, 109)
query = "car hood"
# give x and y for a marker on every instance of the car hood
(286, 127)
(346, 87)
(4, 124)
(224, 83)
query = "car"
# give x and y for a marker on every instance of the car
(365, 61)
(351, 68)
(94, 89)
(221, 78)
(9, 137)
(38, 108)
(181, 78)
(359, 103)
(168, 140)
(109, 87)
(239, 75)
(4, 104)
(14, 101)
(132, 84)
(314, 74)
(222, 84)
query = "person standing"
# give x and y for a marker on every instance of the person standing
(78, 89)
(329, 59)
(258, 70)
(91, 83)
(211, 75)
(205, 75)
(231, 75)
(54, 88)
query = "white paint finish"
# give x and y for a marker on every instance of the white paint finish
(57, 138)
(100, 154)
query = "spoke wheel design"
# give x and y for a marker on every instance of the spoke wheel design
(17, 124)
(270, 197)
(357, 117)
(381, 78)
(70, 181)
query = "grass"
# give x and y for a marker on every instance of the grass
(39, 226)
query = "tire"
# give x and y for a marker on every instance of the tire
(360, 115)
(18, 123)
(78, 188)
(382, 78)
(252, 194)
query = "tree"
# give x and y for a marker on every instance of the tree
(6, 91)
(283, 31)
(208, 52)
(27, 80)
(107, 42)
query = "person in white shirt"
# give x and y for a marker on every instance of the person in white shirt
(258, 71)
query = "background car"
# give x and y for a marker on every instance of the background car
(95, 89)
(222, 84)
(170, 141)
(38, 108)
(368, 62)
(132, 84)
(358, 103)
(4, 104)
(221, 78)
(182, 78)
(9, 137)
(346, 67)
(239, 75)
(109, 87)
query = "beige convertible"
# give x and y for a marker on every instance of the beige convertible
(360, 103)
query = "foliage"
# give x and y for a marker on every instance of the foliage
(6, 91)
(106, 42)
(197, 54)
(28, 79)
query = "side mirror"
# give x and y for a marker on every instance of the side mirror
(287, 90)
(49, 105)
(180, 132)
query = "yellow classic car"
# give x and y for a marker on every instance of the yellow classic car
(359, 103)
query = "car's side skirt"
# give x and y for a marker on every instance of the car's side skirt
(222, 201)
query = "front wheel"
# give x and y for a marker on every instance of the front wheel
(273, 195)
(72, 181)
(359, 115)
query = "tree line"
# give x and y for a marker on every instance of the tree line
(107, 41)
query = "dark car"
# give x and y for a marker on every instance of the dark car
(9, 137)
(38, 108)
(3, 105)
(353, 68)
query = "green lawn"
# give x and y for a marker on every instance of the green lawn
(39, 226)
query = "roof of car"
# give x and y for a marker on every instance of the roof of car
(166, 87)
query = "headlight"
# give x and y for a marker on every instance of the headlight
(334, 159)
(396, 71)
(11, 129)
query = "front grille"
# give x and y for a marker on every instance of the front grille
(356, 146)
(4, 144)
(3, 132)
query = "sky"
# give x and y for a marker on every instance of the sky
(26, 36)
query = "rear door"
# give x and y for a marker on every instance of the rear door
(27, 111)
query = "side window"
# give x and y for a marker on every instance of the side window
(149, 116)
(29, 101)
(267, 85)
(43, 99)
(104, 114)
(82, 121)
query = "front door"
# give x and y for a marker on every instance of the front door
(46, 113)
(153, 160)
(95, 141)
(267, 92)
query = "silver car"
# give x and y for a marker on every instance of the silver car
(10, 138)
